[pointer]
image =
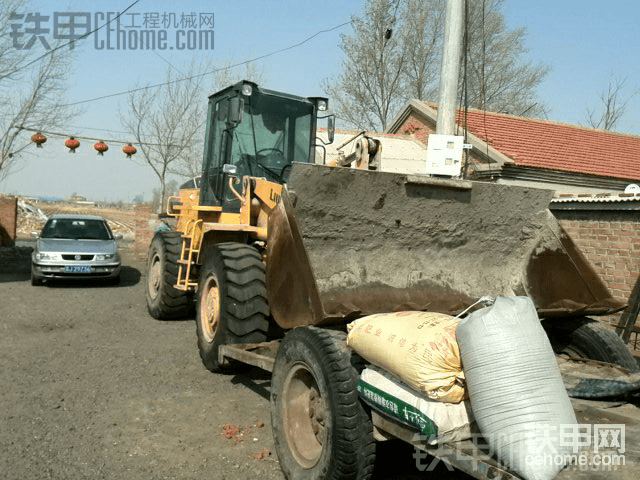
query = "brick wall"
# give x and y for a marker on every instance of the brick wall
(8, 220)
(414, 126)
(611, 242)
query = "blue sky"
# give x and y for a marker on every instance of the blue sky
(585, 43)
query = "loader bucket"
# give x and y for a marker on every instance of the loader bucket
(344, 243)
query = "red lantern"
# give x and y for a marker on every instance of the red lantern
(129, 150)
(72, 144)
(38, 139)
(101, 147)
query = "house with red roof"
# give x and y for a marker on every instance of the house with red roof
(589, 170)
(529, 152)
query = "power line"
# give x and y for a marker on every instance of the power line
(211, 72)
(50, 52)
(97, 129)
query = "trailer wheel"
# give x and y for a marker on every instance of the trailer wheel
(163, 301)
(588, 338)
(320, 427)
(232, 301)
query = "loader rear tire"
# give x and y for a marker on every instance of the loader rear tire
(321, 429)
(588, 338)
(232, 303)
(163, 301)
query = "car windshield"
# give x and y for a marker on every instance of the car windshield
(76, 228)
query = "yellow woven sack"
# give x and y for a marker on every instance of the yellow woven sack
(420, 348)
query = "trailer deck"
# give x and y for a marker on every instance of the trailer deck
(474, 457)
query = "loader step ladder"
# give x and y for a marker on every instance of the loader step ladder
(191, 240)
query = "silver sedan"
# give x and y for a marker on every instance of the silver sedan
(75, 246)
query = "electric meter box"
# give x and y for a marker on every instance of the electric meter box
(444, 155)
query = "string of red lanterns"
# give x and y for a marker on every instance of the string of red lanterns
(73, 143)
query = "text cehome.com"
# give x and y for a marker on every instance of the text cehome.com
(113, 31)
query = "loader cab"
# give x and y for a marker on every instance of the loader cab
(260, 132)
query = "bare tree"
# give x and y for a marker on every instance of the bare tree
(229, 75)
(395, 51)
(369, 89)
(166, 122)
(157, 197)
(169, 122)
(31, 89)
(422, 32)
(498, 79)
(613, 104)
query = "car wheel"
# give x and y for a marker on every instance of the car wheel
(35, 280)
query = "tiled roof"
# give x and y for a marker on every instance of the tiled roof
(557, 146)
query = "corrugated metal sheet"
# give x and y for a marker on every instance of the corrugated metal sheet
(596, 198)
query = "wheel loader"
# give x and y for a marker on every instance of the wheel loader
(278, 251)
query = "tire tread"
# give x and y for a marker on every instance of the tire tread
(244, 300)
(595, 339)
(353, 452)
(171, 303)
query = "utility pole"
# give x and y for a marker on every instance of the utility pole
(450, 70)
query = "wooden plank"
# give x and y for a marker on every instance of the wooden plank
(261, 355)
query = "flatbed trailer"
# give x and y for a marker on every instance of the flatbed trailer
(473, 456)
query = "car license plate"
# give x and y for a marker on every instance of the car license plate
(77, 269)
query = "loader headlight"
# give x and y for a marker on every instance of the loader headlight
(247, 89)
(322, 105)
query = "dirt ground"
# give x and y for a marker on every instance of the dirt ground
(121, 220)
(91, 387)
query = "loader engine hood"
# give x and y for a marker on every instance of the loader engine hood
(345, 243)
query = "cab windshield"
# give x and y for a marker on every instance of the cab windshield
(274, 132)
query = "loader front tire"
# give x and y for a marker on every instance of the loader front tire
(232, 303)
(163, 301)
(588, 338)
(321, 429)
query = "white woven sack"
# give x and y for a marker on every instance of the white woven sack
(452, 420)
(517, 395)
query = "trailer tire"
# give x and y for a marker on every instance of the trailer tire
(232, 303)
(163, 301)
(588, 338)
(321, 429)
